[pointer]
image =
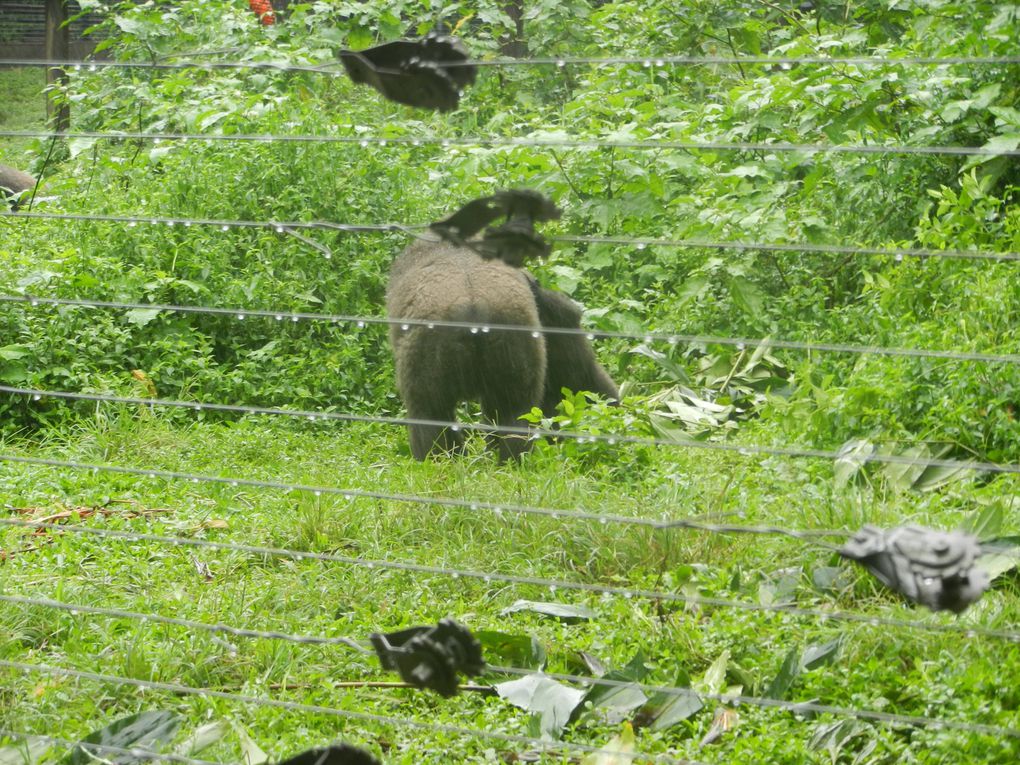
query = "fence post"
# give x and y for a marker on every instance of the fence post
(58, 45)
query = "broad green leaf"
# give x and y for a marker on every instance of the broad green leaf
(852, 456)
(665, 709)
(693, 288)
(786, 676)
(816, 656)
(903, 475)
(512, 650)
(141, 316)
(616, 699)
(985, 523)
(553, 702)
(715, 676)
(561, 611)
(1001, 554)
(203, 737)
(833, 737)
(253, 754)
(146, 730)
(617, 752)
(12, 352)
(747, 296)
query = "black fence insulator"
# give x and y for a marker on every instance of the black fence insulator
(430, 657)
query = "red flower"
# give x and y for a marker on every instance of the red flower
(264, 10)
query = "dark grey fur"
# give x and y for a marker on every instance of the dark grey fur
(13, 183)
(508, 372)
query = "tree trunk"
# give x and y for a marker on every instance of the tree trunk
(58, 44)
(515, 46)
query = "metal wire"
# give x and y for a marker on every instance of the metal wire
(576, 513)
(560, 143)
(790, 706)
(488, 577)
(672, 338)
(746, 450)
(226, 629)
(793, 706)
(132, 753)
(644, 61)
(293, 706)
(419, 231)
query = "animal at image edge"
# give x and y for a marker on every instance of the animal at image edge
(508, 372)
(13, 183)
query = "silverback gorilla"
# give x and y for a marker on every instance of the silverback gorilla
(507, 371)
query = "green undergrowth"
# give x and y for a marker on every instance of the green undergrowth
(902, 669)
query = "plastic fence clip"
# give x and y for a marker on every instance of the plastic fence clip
(430, 73)
(430, 657)
(516, 239)
(338, 754)
(933, 568)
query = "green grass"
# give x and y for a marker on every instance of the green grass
(23, 107)
(908, 671)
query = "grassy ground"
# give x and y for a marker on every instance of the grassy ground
(23, 107)
(906, 670)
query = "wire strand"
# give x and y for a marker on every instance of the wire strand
(655, 60)
(802, 707)
(610, 439)
(576, 513)
(560, 143)
(671, 338)
(77, 608)
(419, 231)
(488, 577)
(790, 706)
(293, 706)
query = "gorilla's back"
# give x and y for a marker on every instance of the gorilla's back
(438, 281)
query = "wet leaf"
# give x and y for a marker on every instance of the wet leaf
(784, 680)
(816, 656)
(145, 730)
(203, 737)
(619, 750)
(553, 702)
(561, 611)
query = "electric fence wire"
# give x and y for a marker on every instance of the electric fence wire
(803, 707)
(315, 709)
(672, 338)
(127, 755)
(488, 577)
(548, 143)
(576, 513)
(559, 61)
(416, 231)
(611, 439)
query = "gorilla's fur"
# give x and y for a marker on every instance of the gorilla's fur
(570, 360)
(13, 183)
(507, 371)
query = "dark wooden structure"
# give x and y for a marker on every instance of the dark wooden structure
(23, 30)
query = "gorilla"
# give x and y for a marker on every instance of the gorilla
(507, 371)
